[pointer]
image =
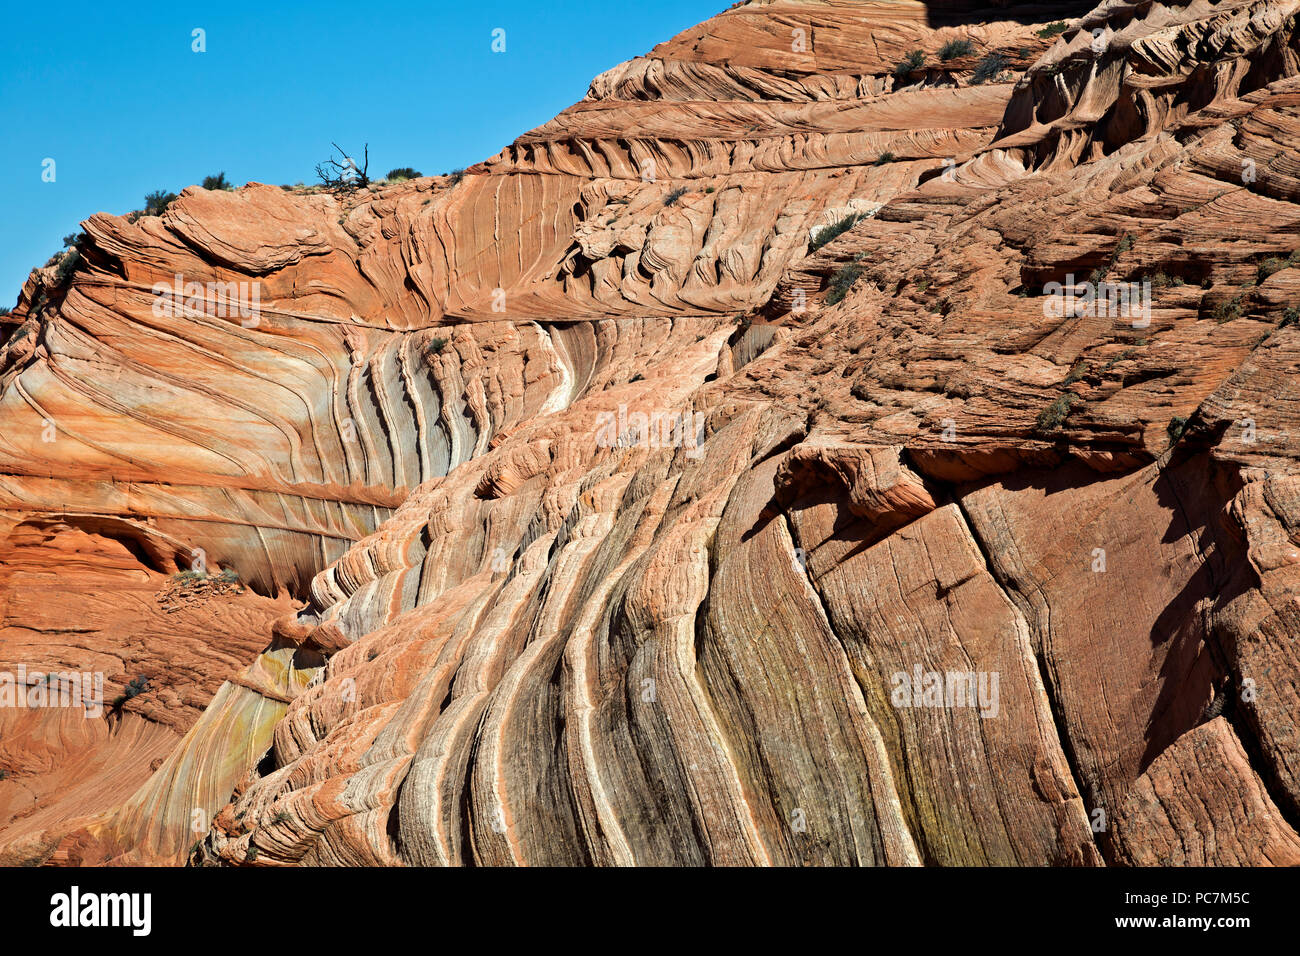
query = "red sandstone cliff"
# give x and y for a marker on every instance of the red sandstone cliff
(471, 628)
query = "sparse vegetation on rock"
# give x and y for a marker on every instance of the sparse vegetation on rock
(842, 281)
(835, 229)
(910, 63)
(1052, 417)
(989, 67)
(156, 202)
(956, 48)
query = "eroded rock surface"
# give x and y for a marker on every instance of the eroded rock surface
(590, 509)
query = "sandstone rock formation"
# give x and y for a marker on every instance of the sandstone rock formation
(590, 509)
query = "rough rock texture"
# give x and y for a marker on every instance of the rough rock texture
(495, 610)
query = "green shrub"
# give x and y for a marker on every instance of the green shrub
(282, 817)
(404, 172)
(955, 48)
(187, 576)
(252, 853)
(228, 576)
(68, 262)
(842, 281)
(1098, 275)
(637, 377)
(4, 774)
(1053, 416)
(827, 233)
(1271, 265)
(436, 345)
(676, 194)
(155, 203)
(988, 68)
(135, 688)
(5, 310)
(1229, 310)
(913, 61)
(217, 182)
(884, 159)
(1053, 29)
(1077, 371)
(1290, 317)
(1177, 425)
(456, 175)
(1276, 264)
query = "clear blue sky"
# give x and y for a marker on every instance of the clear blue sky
(114, 94)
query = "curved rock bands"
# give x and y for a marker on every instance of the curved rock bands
(753, 465)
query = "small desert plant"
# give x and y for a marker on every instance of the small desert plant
(402, 173)
(4, 774)
(282, 817)
(676, 194)
(1177, 425)
(1229, 310)
(827, 233)
(228, 576)
(436, 345)
(1053, 416)
(1077, 371)
(1053, 29)
(708, 189)
(68, 262)
(1276, 264)
(216, 182)
(913, 61)
(136, 687)
(842, 281)
(1290, 317)
(1162, 280)
(955, 48)
(1271, 265)
(884, 159)
(252, 853)
(637, 377)
(988, 68)
(187, 576)
(456, 175)
(155, 203)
